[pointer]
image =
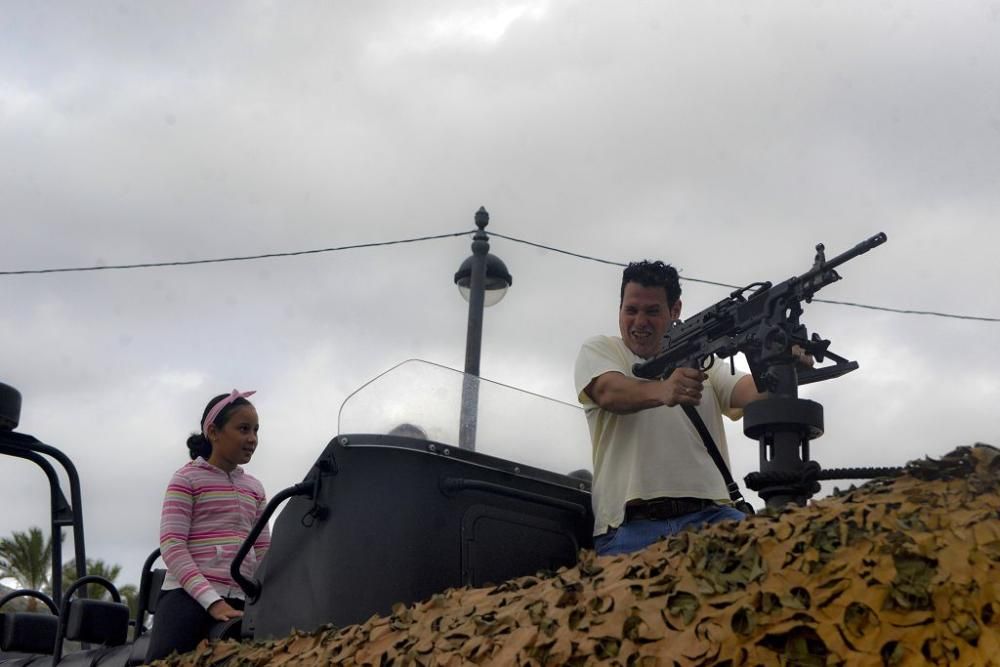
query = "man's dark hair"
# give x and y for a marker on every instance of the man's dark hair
(652, 274)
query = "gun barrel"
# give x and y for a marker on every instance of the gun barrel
(859, 249)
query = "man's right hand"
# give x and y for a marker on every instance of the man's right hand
(221, 611)
(683, 387)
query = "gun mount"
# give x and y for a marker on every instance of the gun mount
(762, 321)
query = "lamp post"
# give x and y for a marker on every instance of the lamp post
(482, 280)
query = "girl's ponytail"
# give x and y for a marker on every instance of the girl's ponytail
(198, 445)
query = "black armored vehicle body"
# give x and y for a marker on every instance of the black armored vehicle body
(392, 511)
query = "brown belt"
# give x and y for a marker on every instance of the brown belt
(664, 508)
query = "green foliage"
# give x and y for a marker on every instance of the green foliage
(26, 557)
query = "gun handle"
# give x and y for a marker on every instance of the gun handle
(650, 370)
(810, 375)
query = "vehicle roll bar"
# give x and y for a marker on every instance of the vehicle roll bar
(252, 587)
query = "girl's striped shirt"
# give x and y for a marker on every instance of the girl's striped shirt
(207, 513)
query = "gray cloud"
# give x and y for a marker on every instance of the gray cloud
(727, 140)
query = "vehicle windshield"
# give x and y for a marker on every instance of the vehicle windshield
(422, 400)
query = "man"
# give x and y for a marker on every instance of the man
(652, 473)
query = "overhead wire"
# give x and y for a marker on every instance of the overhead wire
(217, 260)
(901, 311)
(417, 239)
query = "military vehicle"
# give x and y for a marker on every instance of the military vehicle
(393, 510)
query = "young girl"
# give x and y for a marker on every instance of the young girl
(209, 509)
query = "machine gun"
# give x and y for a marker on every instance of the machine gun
(761, 320)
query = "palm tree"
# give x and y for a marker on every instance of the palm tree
(109, 571)
(26, 558)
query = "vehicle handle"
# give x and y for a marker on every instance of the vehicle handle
(251, 588)
(79, 584)
(27, 593)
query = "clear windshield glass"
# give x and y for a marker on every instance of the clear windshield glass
(423, 400)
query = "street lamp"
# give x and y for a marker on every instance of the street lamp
(482, 280)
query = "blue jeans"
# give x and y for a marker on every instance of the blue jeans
(637, 535)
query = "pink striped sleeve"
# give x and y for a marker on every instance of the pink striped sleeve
(175, 527)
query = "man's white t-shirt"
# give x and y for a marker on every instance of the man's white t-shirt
(651, 453)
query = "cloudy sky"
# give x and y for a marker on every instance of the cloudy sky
(725, 137)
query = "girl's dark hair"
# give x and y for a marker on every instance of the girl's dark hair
(198, 444)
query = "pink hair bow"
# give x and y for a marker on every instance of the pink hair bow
(218, 407)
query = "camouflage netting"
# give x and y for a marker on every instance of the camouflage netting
(896, 572)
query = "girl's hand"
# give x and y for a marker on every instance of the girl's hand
(221, 611)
